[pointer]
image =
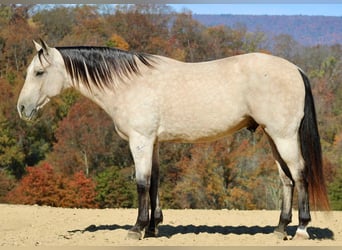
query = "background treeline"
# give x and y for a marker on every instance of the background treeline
(72, 157)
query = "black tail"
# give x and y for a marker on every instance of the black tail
(312, 152)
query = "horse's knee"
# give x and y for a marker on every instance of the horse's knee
(143, 187)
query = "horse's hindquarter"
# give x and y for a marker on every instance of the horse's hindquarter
(275, 95)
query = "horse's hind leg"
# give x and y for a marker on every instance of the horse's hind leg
(288, 156)
(286, 207)
(156, 213)
(303, 207)
(288, 185)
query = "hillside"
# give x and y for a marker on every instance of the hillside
(307, 30)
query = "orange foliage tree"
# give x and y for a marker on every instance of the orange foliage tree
(43, 186)
(236, 172)
(117, 42)
(83, 139)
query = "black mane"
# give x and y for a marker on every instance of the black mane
(99, 66)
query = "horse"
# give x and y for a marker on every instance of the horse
(153, 99)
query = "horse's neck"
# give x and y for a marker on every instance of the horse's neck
(98, 96)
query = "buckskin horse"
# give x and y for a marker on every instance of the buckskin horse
(154, 98)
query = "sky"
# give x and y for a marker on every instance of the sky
(266, 7)
(263, 9)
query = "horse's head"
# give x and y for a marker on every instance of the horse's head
(46, 77)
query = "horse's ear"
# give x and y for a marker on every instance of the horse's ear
(44, 45)
(37, 45)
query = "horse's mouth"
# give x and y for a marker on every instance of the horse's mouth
(33, 114)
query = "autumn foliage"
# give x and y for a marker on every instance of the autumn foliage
(42, 185)
(77, 160)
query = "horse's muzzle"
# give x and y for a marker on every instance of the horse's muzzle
(30, 111)
(27, 114)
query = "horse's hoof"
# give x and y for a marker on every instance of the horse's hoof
(151, 233)
(301, 234)
(134, 235)
(282, 235)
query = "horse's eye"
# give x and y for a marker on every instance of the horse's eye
(39, 72)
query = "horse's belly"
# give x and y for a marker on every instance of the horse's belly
(198, 130)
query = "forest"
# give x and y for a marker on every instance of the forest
(72, 157)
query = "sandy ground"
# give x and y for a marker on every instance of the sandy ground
(46, 226)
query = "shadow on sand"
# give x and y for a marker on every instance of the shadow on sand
(169, 230)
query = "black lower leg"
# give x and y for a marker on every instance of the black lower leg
(156, 213)
(303, 204)
(284, 220)
(154, 219)
(143, 218)
(286, 211)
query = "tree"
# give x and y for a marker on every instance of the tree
(238, 34)
(16, 39)
(116, 188)
(254, 42)
(188, 35)
(218, 39)
(143, 26)
(55, 23)
(11, 154)
(88, 28)
(82, 193)
(43, 186)
(117, 42)
(335, 191)
(285, 46)
(87, 141)
(206, 176)
(40, 186)
(7, 183)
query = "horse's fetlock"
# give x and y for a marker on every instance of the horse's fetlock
(158, 215)
(151, 232)
(143, 188)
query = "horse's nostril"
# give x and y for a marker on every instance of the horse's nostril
(22, 108)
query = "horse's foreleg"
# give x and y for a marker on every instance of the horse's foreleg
(156, 213)
(142, 150)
